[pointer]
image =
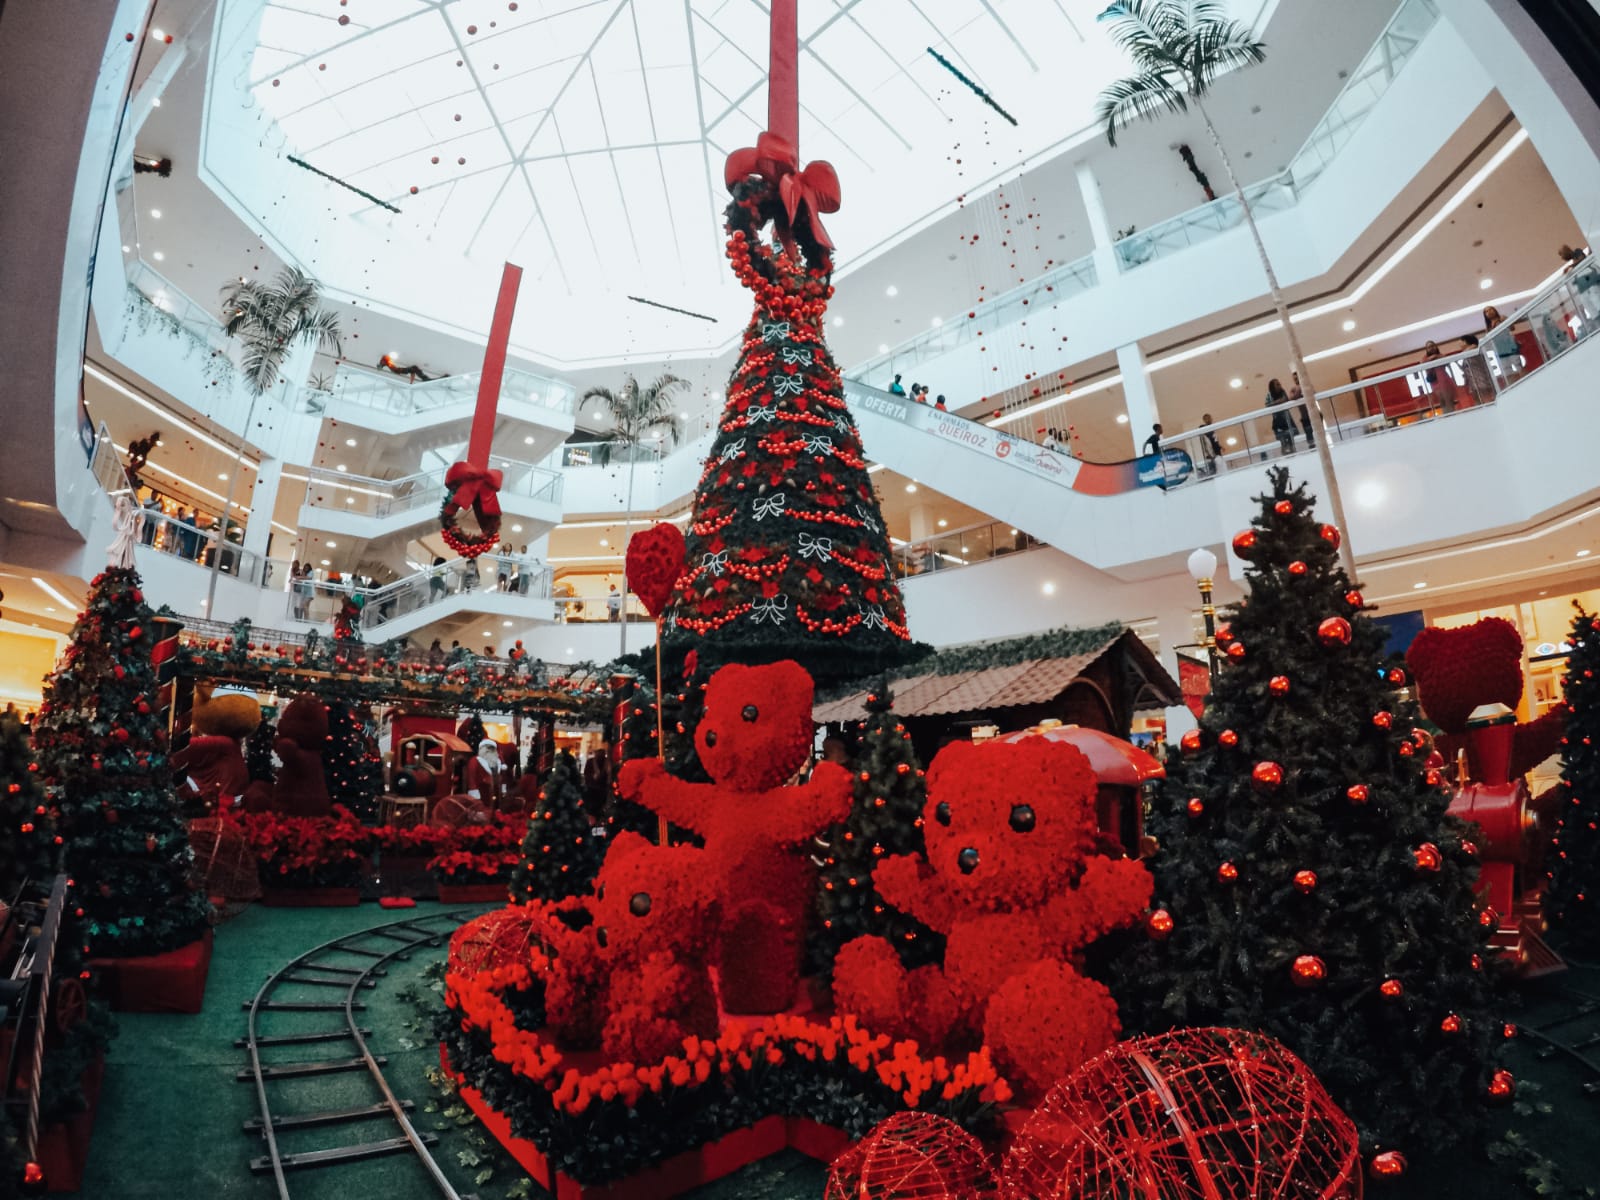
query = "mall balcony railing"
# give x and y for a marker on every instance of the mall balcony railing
(609, 454)
(363, 496)
(960, 548)
(397, 395)
(317, 601)
(596, 610)
(1360, 95)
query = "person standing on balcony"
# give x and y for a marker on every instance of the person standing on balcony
(436, 584)
(1282, 419)
(1210, 448)
(1152, 444)
(1299, 393)
(503, 581)
(469, 575)
(895, 389)
(1479, 382)
(614, 604)
(1441, 379)
(524, 571)
(939, 404)
(152, 513)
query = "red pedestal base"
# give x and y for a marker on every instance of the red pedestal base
(64, 1147)
(472, 893)
(170, 982)
(673, 1176)
(325, 897)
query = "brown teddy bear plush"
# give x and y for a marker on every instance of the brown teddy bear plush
(210, 768)
(300, 790)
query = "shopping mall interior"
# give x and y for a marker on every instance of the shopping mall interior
(290, 286)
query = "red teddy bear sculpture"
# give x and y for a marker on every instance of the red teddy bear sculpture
(1012, 880)
(755, 734)
(301, 789)
(633, 982)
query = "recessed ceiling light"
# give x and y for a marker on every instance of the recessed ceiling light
(327, 562)
(127, 250)
(223, 476)
(158, 256)
(156, 213)
(1349, 324)
(527, 441)
(891, 290)
(570, 650)
(1013, 533)
(341, 467)
(1417, 587)
(604, 542)
(911, 487)
(488, 633)
(1048, 589)
(838, 321)
(943, 522)
(1583, 554)
(349, 499)
(964, 550)
(1371, 494)
(1485, 284)
(349, 441)
(1233, 441)
(684, 415)
(1122, 418)
(158, 34)
(506, 624)
(333, 545)
(49, 608)
(516, 529)
(156, 103)
(1236, 383)
(883, 347)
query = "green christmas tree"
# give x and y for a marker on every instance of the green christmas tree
(103, 757)
(258, 751)
(471, 731)
(28, 849)
(787, 552)
(560, 854)
(1309, 883)
(885, 819)
(350, 763)
(1575, 865)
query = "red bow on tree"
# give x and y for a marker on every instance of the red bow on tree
(474, 487)
(777, 161)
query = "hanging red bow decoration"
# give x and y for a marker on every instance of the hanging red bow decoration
(472, 483)
(775, 159)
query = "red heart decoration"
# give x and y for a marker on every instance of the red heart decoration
(654, 562)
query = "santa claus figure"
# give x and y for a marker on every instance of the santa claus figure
(484, 776)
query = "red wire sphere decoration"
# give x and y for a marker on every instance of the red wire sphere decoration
(912, 1156)
(1221, 1113)
(496, 939)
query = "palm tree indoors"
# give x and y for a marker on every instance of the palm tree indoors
(1180, 47)
(638, 415)
(269, 319)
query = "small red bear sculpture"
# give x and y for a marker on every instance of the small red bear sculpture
(301, 789)
(1012, 880)
(635, 981)
(755, 734)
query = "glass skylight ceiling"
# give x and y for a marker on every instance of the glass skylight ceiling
(585, 139)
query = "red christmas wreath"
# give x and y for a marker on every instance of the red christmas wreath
(468, 485)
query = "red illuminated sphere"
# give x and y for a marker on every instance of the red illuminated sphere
(1383, 719)
(1396, 676)
(1266, 776)
(1392, 989)
(1450, 1024)
(1228, 738)
(1278, 685)
(1189, 743)
(1236, 650)
(1406, 749)
(1143, 1119)
(1283, 507)
(1388, 1166)
(1433, 778)
(1159, 924)
(911, 1154)
(1502, 1086)
(1308, 971)
(1427, 857)
(1244, 543)
(1297, 567)
(1223, 636)
(1196, 806)
(1329, 534)
(1227, 873)
(1305, 882)
(1334, 631)
(1355, 599)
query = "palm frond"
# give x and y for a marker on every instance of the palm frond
(268, 318)
(1220, 47)
(1140, 97)
(1151, 32)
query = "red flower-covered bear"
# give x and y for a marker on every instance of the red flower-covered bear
(755, 734)
(1013, 881)
(301, 789)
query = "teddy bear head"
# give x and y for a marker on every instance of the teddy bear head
(225, 714)
(756, 731)
(1459, 669)
(305, 723)
(650, 898)
(1008, 825)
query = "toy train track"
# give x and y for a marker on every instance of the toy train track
(330, 979)
(1565, 1036)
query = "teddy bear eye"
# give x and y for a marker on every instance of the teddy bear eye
(967, 860)
(711, 737)
(639, 905)
(1022, 818)
(600, 892)
(941, 813)
(750, 712)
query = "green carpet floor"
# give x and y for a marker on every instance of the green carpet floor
(171, 1111)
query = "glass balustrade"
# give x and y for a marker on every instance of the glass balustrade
(399, 396)
(607, 454)
(363, 496)
(594, 610)
(317, 601)
(960, 548)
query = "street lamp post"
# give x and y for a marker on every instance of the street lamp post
(1203, 569)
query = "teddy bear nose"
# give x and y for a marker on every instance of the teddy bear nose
(600, 937)
(639, 905)
(750, 712)
(711, 737)
(967, 860)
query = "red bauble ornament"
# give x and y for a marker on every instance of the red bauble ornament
(1308, 971)
(1278, 685)
(1227, 873)
(1355, 599)
(1244, 543)
(1396, 676)
(1228, 738)
(1305, 882)
(1236, 650)
(1357, 793)
(1266, 776)
(1450, 1024)
(1476, 962)
(1433, 778)
(1189, 743)
(1334, 631)
(1329, 534)
(1297, 567)
(1427, 857)
(1159, 925)
(1391, 989)
(1406, 749)
(1383, 719)
(1502, 1086)
(1508, 1030)
(1223, 636)
(1388, 1166)
(1283, 507)
(1196, 806)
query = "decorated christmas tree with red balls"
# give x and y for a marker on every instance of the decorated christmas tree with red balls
(1573, 903)
(788, 556)
(1309, 884)
(102, 755)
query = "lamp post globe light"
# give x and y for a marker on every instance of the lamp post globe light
(1203, 569)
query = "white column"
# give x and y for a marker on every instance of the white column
(1139, 395)
(1105, 258)
(263, 500)
(1547, 99)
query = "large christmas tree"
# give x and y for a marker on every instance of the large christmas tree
(1575, 866)
(787, 552)
(885, 819)
(560, 854)
(1309, 883)
(351, 764)
(27, 826)
(103, 757)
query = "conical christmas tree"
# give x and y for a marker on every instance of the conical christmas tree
(1309, 883)
(787, 552)
(103, 758)
(258, 751)
(885, 819)
(351, 764)
(27, 826)
(1575, 866)
(560, 854)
